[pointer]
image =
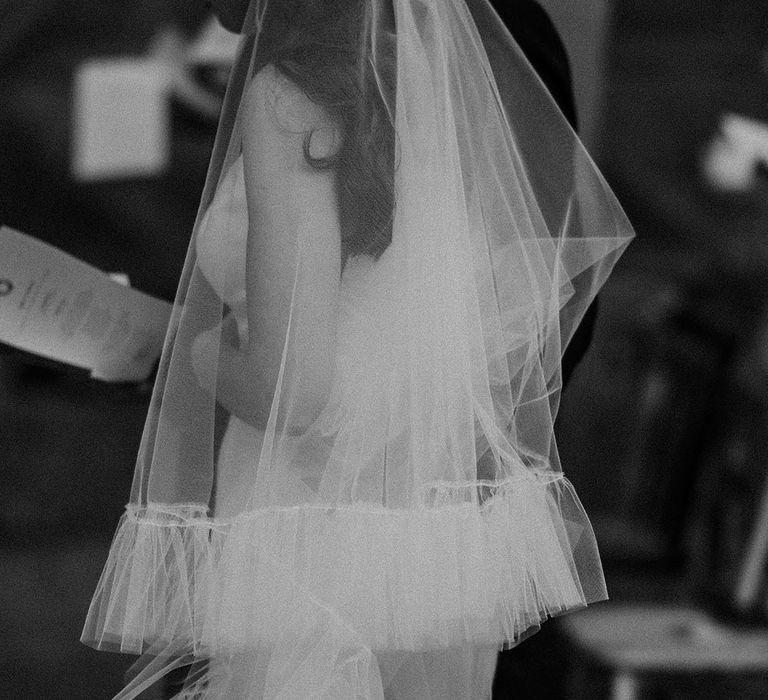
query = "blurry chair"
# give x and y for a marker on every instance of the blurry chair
(727, 536)
(721, 635)
(640, 646)
(673, 360)
(670, 371)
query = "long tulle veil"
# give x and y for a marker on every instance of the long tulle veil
(349, 456)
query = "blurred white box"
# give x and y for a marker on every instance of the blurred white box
(121, 119)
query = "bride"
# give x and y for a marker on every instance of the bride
(348, 485)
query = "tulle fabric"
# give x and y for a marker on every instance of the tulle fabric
(445, 574)
(348, 485)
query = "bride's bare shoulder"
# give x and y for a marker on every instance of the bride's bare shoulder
(281, 105)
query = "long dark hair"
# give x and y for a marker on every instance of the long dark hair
(323, 47)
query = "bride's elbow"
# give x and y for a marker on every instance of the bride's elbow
(291, 399)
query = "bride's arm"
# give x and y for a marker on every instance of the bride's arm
(293, 231)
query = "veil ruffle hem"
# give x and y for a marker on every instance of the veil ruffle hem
(349, 451)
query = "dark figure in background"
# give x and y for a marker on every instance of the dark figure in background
(533, 30)
(536, 34)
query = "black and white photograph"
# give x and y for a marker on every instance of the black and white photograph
(384, 350)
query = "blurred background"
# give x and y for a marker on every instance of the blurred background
(663, 428)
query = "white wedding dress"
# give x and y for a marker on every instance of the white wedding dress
(445, 674)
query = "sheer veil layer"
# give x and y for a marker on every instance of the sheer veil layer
(348, 469)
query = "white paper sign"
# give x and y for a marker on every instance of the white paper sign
(58, 307)
(121, 118)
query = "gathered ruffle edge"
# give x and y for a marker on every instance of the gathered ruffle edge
(450, 574)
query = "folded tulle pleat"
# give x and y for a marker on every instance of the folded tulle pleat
(449, 573)
(155, 584)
